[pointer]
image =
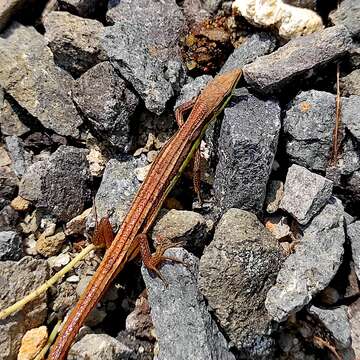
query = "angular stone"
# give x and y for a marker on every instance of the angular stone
(32, 343)
(272, 72)
(308, 126)
(182, 322)
(74, 41)
(350, 84)
(274, 194)
(313, 265)
(20, 158)
(99, 347)
(348, 14)
(29, 75)
(305, 193)
(257, 45)
(353, 232)
(350, 115)
(58, 185)
(236, 271)
(247, 147)
(10, 245)
(8, 183)
(142, 44)
(18, 279)
(103, 97)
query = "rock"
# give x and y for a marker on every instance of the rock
(313, 265)
(272, 72)
(336, 322)
(350, 84)
(236, 271)
(274, 194)
(60, 184)
(348, 14)
(8, 183)
(58, 262)
(83, 8)
(353, 232)
(10, 8)
(20, 204)
(142, 44)
(64, 299)
(29, 75)
(103, 97)
(181, 225)
(246, 152)
(183, 325)
(32, 342)
(256, 45)
(350, 115)
(97, 161)
(18, 279)
(77, 225)
(309, 4)
(99, 347)
(50, 245)
(305, 193)
(291, 21)
(11, 116)
(20, 158)
(74, 41)
(117, 190)
(349, 157)
(308, 127)
(8, 218)
(4, 157)
(278, 225)
(10, 245)
(211, 5)
(354, 318)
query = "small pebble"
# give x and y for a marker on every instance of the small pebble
(32, 342)
(73, 279)
(20, 204)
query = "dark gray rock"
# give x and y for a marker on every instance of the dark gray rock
(305, 193)
(353, 232)
(256, 45)
(83, 8)
(349, 157)
(74, 41)
(10, 245)
(20, 158)
(212, 5)
(236, 271)
(350, 84)
(8, 217)
(313, 265)
(142, 43)
(99, 347)
(350, 115)
(29, 75)
(102, 96)
(59, 184)
(298, 58)
(10, 117)
(183, 325)
(8, 183)
(308, 127)
(18, 279)
(337, 323)
(247, 147)
(348, 14)
(117, 190)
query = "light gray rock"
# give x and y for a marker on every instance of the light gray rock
(103, 97)
(313, 265)
(354, 318)
(20, 158)
(74, 41)
(247, 146)
(256, 45)
(183, 325)
(308, 127)
(349, 157)
(348, 14)
(274, 194)
(350, 115)
(11, 116)
(337, 323)
(182, 225)
(305, 193)
(10, 245)
(353, 232)
(99, 347)
(236, 271)
(142, 44)
(59, 184)
(29, 75)
(117, 190)
(350, 84)
(272, 72)
(212, 5)
(18, 279)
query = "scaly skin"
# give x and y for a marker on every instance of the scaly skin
(161, 178)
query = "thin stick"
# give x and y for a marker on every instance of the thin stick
(51, 339)
(42, 288)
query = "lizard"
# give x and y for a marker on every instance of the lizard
(161, 178)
